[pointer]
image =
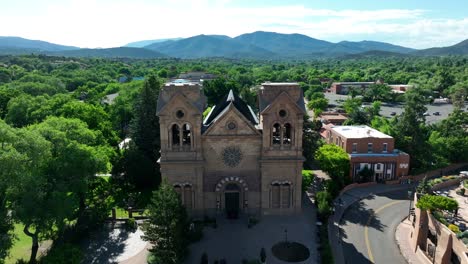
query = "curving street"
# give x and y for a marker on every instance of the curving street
(368, 226)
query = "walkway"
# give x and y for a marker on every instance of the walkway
(115, 244)
(403, 239)
(233, 241)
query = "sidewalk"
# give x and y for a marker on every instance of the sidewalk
(343, 201)
(403, 239)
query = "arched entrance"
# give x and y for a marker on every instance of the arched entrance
(232, 200)
(231, 196)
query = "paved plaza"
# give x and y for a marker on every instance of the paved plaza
(233, 241)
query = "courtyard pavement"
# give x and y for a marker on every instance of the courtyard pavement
(115, 244)
(233, 241)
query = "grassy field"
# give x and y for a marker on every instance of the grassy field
(22, 246)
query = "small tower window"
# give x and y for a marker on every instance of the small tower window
(287, 134)
(276, 134)
(180, 114)
(282, 113)
(175, 135)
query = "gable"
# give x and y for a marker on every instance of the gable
(178, 101)
(283, 101)
(231, 122)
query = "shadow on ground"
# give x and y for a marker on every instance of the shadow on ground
(105, 245)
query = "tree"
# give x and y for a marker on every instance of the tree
(216, 89)
(380, 92)
(318, 106)
(335, 161)
(311, 140)
(167, 226)
(410, 129)
(36, 200)
(145, 133)
(423, 187)
(12, 166)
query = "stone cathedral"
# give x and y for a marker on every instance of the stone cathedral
(233, 161)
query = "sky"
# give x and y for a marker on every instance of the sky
(113, 23)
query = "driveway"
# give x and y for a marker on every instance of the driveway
(233, 241)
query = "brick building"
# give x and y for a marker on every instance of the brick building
(345, 87)
(369, 148)
(234, 161)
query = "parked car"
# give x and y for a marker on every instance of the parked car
(436, 113)
(393, 113)
(426, 114)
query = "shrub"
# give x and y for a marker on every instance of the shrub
(465, 240)
(323, 200)
(307, 179)
(65, 253)
(454, 228)
(435, 202)
(131, 224)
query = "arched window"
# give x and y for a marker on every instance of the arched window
(188, 196)
(275, 195)
(285, 195)
(175, 131)
(178, 190)
(186, 135)
(287, 134)
(276, 134)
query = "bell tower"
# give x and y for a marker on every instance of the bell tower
(180, 111)
(282, 112)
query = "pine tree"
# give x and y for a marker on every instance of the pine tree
(145, 134)
(167, 226)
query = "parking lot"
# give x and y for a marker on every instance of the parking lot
(387, 109)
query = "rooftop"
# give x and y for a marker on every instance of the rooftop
(180, 82)
(358, 132)
(279, 83)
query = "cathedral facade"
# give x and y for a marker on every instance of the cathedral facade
(233, 161)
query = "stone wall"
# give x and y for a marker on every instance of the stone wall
(424, 224)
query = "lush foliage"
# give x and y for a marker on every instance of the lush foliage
(167, 226)
(61, 120)
(436, 202)
(307, 179)
(335, 161)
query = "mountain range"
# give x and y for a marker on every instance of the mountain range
(256, 45)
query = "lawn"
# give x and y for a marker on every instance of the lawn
(22, 246)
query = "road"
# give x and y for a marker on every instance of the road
(368, 228)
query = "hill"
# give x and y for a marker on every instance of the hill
(366, 45)
(289, 45)
(202, 46)
(122, 52)
(143, 43)
(17, 43)
(457, 49)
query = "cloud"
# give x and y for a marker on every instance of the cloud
(106, 23)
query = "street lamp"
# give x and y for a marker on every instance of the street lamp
(410, 193)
